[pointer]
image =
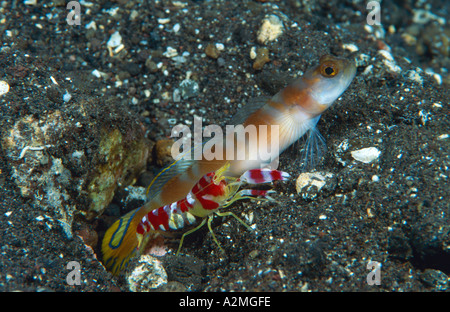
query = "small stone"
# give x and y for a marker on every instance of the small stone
(366, 155)
(262, 57)
(350, 47)
(253, 53)
(309, 184)
(67, 97)
(176, 28)
(148, 275)
(115, 40)
(151, 66)
(4, 87)
(271, 28)
(212, 51)
(176, 96)
(170, 52)
(189, 88)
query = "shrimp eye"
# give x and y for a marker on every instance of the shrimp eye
(329, 70)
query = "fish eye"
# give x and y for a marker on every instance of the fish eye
(329, 70)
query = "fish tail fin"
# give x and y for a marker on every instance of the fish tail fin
(120, 242)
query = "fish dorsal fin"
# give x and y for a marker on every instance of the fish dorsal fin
(252, 106)
(165, 175)
(180, 165)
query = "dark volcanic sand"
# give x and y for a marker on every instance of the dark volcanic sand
(394, 210)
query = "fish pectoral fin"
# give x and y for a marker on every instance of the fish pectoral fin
(314, 150)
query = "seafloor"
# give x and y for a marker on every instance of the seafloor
(86, 111)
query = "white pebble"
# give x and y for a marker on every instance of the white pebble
(67, 96)
(366, 155)
(4, 87)
(176, 28)
(253, 53)
(115, 40)
(350, 47)
(39, 218)
(163, 20)
(92, 25)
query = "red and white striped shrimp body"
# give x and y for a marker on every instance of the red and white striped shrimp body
(212, 192)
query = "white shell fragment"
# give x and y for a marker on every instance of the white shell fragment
(147, 275)
(366, 155)
(4, 87)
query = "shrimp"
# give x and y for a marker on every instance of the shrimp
(213, 191)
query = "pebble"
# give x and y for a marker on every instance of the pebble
(67, 97)
(271, 28)
(366, 155)
(176, 28)
(414, 75)
(115, 40)
(261, 58)
(309, 184)
(176, 96)
(389, 62)
(188, 88)
(148, 275)
(170, 52)
(350, 47)
(212, 51)
(4, 87)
